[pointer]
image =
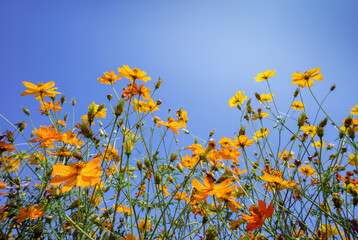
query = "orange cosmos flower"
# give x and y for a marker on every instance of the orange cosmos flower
(225, 142)
(242, 141)
(31, 211)
(182, 117)
(81, 174)
(181, 196)
(71, 138)
(259, 214)
(171, 124)
(229, 153)
(4, 146)
(2, 185)
(134, 74)
(47, 135)
(210, 188)
(61, 152)
(305, 79)
(229, 198)
(41, 90)
(307, 170)
(109, 78)
(276, 182)
(46, 106)
(129, 237)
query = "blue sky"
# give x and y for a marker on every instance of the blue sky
(204, 51)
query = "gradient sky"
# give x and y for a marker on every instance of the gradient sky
(204, 51)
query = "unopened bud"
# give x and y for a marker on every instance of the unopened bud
(351, 133)
(333, 87)
(65, 117)
(295, 94)
(180, 167)
(85, 130)
(63, 99)
(158, 84)
(100, 108)
(173, 157)
(348, 121)
(301, 119)
(319, 131)
(128, 146)
(139, 165)
(119, 108)
(171, 167)
(26, 111)
(211, 133)
(109, 97)
(171, 179)
(257, 96)
(323, 123)
(242, 131)
(157, 179)
(159, 102)
(73, 102)
(10, 136)
(78, 155)
(21, 125)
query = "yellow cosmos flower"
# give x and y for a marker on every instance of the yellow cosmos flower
(266, 97)
(144, 225)
(353, 159)
(297, 105)
(134, 74)
(260, 115)
(40, 91)
(109, 78)
(354, 110)
(261, 134)
(285, 155)
(328, 231)
(239, 98)
(309, 129)
(98, 114)
(318, 144)
(305, 79)
(265, 75)
(307, 171)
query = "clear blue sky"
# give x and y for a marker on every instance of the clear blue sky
(204, 51)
